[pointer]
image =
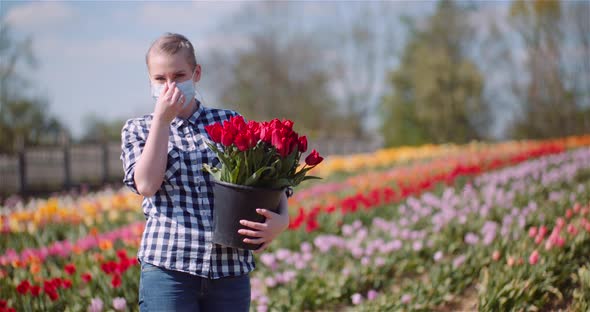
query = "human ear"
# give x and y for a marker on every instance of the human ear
(197, 75)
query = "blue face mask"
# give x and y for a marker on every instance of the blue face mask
(187, 88)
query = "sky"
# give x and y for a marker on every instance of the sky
(91, 54)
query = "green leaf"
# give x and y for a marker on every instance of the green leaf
(215, 172)
(235, 172)
(257, 175)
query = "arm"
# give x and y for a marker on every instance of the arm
(150, 168)
(144, 158)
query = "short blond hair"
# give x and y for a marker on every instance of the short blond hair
(170, 44)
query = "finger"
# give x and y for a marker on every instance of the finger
(254, 225)
(250, 233)
(267, 213)
(254, 241)
(175, 96)
(171, 88)
(261, 249)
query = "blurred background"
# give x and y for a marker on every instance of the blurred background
(354, 76)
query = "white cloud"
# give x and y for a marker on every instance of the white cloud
(38, 16)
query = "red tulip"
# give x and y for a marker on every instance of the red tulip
(116, 281)
(70, 268)
(35, 290)
(57, 282)
(67, 283)
(123, 265)
(293, 143)
(255, 128)
(23, 287)
(288, 124)
(109, 267)
(53, 295)
(313, 159)
(312, 225)
(275, 124)
(48, 286)
(86, 277)
(228, 126)
(215, 131)
(241, 142)
(122, 254)
(227, 138)
(303, 144)
(238, 123)
(266, 133)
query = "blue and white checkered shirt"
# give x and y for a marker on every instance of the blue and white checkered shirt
(178, 233)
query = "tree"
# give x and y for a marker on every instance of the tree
(279, 74)
(365, 41)
(100, 131)
(23, 119)
(437, 90)
(555, 95)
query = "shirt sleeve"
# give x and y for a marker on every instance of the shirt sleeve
(132, 143)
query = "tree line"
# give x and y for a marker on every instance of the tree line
(467, 71)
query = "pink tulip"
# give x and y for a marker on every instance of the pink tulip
(372, 294)
(560, 241)
(357, 299)
(548, 245)
(572, 230)
(560, 223)
(577, 208)
(543, 231)
(510, 261)
(406, 298)
(534, 258)
(533, 232)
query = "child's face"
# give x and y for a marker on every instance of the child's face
(164, 68)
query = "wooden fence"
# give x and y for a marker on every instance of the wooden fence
(48, 169)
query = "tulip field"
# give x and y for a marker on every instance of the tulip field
(484, 226)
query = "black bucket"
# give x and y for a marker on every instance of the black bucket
(238, 202)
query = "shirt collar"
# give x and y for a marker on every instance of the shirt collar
(178, 121)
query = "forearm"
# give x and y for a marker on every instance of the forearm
(150, 168)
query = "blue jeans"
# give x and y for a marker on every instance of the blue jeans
(166, 290)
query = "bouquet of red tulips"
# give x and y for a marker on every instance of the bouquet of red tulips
(259, 154)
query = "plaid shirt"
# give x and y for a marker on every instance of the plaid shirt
(178, 232)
